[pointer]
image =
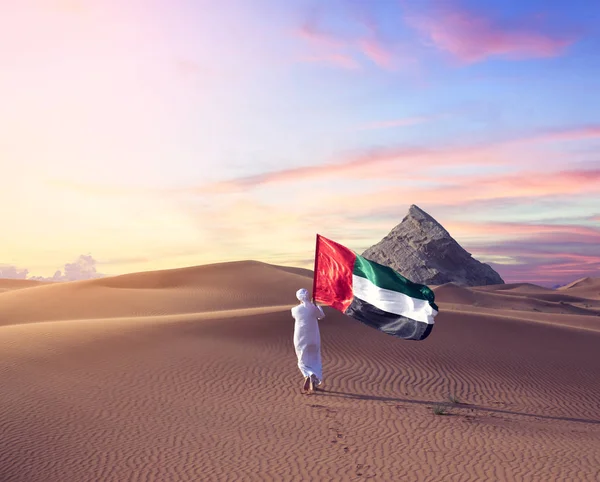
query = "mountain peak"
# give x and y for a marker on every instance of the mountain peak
(416, 211)
(423, 251)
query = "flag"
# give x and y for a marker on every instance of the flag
(371, 293)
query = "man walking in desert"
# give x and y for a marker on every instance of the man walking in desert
(307, 340)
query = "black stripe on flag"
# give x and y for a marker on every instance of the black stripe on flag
(390, 323)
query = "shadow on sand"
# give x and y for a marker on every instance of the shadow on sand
(356, 396)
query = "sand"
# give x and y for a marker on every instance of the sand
(586, 287)
(190, 375)
(17, 284)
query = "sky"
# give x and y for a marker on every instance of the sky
(141, 135)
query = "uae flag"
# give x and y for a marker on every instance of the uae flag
(371, 293)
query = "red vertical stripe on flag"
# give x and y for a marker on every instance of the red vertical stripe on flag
(332, 284)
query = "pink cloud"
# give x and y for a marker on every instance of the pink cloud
(377, 52)
(540, 253)
(481, 188)
(543, 260)
(526, 184)
(367, 165)
(472, 38)
(401, 163)
(309, 32)
(442, 190)
(340, 51)
(557, 232)
(551, 276)
(12, 272)
(326, 48)
(84, 267)
(572, 134)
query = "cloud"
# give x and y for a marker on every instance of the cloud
(544, 259)
(467, 190)
(345, 50)
(377, 52)
(84, 267)
(550, 276)
(12, 272)
(326, 48)
(472, 38)
(310, 32)
(545, 254)
(370, 164)
(556, 232)
(534, 183)
(409, 163)
(466, 35)
(568, 134)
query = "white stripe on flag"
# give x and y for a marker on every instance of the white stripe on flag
(392, 301)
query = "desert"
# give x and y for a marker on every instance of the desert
(189, 374)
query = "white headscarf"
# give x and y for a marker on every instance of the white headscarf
(303, 295)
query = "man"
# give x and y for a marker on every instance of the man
(307, 340)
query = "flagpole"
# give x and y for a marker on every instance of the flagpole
(315, 268)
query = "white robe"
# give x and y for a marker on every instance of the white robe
(307, 339)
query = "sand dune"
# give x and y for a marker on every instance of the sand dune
(540, 302)
(539, 292)
(17, 284)
(514, 288)
(585, 287)
(582, 283)
(190, 375)
(188, 290)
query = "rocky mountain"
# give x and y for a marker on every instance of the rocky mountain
(424, 252)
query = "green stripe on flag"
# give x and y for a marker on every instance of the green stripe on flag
(386, 278)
